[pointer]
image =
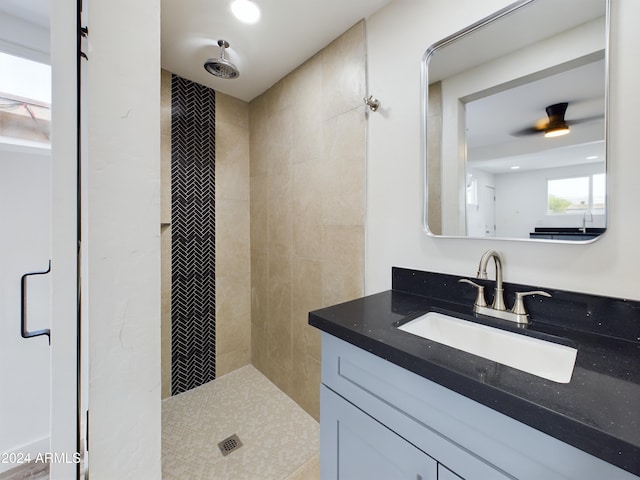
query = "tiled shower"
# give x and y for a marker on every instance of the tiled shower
(289, 216)
(220, 342)
(307, 145)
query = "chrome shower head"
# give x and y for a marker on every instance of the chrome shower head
(221, 67)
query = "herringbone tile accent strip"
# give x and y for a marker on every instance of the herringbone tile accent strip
(193, 298)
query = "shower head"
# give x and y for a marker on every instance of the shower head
(221, 67)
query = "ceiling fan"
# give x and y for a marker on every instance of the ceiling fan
(555, 125)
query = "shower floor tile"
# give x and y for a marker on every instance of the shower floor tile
(278, 437)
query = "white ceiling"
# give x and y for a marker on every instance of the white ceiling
(528, 25)
(496, 146)
(289, 32)
(33, 11)
(494, 118)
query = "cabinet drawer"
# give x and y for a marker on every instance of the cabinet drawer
(356, 446)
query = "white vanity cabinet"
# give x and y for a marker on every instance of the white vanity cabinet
(381, 421)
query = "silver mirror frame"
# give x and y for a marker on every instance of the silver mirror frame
(424, 74)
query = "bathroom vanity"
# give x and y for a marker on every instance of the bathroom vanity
(396, 405)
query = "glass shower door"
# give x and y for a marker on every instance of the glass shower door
(25, 253)
(25, 309)
(38, 224)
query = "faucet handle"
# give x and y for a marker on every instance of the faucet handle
(518, 306)
(480, 301)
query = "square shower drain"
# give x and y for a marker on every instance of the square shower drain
(229, 444)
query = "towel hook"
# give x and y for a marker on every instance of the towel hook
(372, 103)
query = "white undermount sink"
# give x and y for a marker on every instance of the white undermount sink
(548, 360)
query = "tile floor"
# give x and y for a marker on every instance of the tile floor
(31, 471)
(280, 440)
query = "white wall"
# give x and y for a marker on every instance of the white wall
(522, 201)
(124, 239)
(397, 37)
(481, 215)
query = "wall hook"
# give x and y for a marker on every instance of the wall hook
(372, 103)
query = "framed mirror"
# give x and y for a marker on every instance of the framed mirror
(514, 119)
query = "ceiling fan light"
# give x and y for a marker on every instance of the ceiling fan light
(556, 131)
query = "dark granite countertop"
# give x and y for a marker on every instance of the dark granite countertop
(568, 230)
(598, 411)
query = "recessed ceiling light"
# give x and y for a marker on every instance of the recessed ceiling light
(592, 157)
(246, 11)
(515, 167)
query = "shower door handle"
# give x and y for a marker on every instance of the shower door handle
(23, 308)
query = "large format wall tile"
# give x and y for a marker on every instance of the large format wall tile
(307, 144)
(233, 246)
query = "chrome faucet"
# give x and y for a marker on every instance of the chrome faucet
(498, 298)
(584, 220)
(498, 308)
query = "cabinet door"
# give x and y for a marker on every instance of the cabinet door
(445, 474)
(356, 446)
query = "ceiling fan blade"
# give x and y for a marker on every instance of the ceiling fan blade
(527, 131)
(555, 114)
